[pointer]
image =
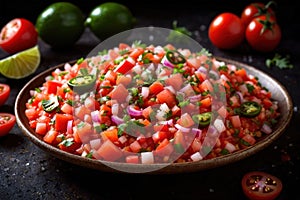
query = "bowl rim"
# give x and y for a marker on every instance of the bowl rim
(157, 168)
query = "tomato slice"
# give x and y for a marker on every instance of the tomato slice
(17, 35)
(261, 185)
(4, 93)
(7, 122)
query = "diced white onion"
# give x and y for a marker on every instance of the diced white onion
(219, 125)
(122, 139)
(115, 109)
(230, 147)
(147, 158)
(196, 156)
(145, 92)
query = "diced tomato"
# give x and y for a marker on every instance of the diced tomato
(147, 112)
(66, 108)
(83, 131)
(165, 148)
(111, 134)
(41, 128)
(119, 93)
(91, 103)
(249, 139)
(186, 120)
(206, 86)
(156, 87)
(31, 113)
(81, 111)
(109, 151)
(61, 121)
(241, 72)
(159, 136)
(179, 139)
(136, 53)
(52, 86)
(235, 120)
(175, 80)
(69, 145)
(111, 76)
(135, 146)
(123, 46)
(50, 136)
(125, 66)
(166, 96)
(206, 102)
(124, 80)
(132, 159)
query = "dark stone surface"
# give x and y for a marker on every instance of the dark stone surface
(27, 172)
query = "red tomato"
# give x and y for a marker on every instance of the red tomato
(226, 31)
(261, 185)
(256, 9)
(4, 93)
(17, 35)
(7, 122)
(263, 34)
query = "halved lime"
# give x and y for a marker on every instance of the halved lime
(21, 64)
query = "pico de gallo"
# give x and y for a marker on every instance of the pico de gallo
(147, 104)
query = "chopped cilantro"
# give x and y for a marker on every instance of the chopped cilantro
(280, 62)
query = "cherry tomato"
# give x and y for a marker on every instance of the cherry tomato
(17, 35)
(261, 185)
(226, 31)
(263, 34)
(7, 122)
(257, 9)
(4, 93)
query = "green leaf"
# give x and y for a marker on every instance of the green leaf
(280, 62)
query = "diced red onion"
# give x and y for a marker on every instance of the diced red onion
(188, 90)
(241, 97)
(202, 69)
(95, 116)
(166, 62)
(67, 66)
(266, 129)
(212, 131)
(117, 120)
(70, 127)
(195, 98)
(32, 92)
(95, 143)
(230, 147)
(197, 132)
(134, 112)
(182, 129)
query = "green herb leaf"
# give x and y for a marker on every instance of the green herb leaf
(280, 62)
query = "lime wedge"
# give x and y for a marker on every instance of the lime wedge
(21, 64)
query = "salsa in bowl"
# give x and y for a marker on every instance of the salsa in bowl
(146, 108)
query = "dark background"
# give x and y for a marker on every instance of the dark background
(27, 172)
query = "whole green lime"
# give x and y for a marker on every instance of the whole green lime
(61, 24)
(110, 18)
